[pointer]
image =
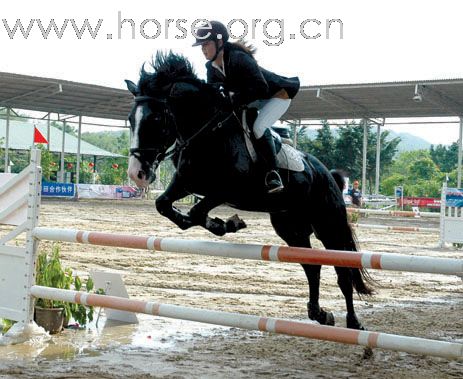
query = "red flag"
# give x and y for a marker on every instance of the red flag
(38, 137)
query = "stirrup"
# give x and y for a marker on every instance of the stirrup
(273, 184)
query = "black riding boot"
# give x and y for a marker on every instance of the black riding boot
(266, 150)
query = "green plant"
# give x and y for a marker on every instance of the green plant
(6, 324)
(353, 217)
(51, 273)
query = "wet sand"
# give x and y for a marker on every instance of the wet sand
(421, 305)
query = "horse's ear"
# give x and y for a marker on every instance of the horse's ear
(183, 89)
(132, 87)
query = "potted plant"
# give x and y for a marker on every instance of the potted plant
(53, 314)
(5, 325)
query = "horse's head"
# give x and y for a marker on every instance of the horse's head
(167, 103)
(152, 133)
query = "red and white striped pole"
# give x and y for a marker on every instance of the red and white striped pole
(266, 324)
(393, 213)
(365, 259)
(397, 228)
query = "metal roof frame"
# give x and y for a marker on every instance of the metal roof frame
(374, 101)
(438, 98)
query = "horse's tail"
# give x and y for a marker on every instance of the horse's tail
(361, 279)
(338, 176)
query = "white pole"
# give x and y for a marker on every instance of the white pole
(79, 137)
(460, 153)
(296, 124)
(442, 214)
(62, 152)
(33, 211)
(378, 156)
(7, 140)
(364, 160)
(48, 131)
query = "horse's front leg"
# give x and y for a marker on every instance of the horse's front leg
(199, 215)
(164, 205)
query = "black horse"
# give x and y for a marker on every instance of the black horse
(172, 106)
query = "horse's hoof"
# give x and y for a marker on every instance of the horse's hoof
(319, 314)
(329, 318)
(216, 226)
(367, 353)
(352, 322)
(234, 223)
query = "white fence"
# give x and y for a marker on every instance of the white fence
(451, 216)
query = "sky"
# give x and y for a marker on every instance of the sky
(381, 40)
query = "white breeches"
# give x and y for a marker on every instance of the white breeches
(270, 112)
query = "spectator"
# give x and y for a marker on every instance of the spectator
(355, 194)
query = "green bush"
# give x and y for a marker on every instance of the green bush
(51, 273)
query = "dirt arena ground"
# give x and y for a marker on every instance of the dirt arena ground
(421, 305)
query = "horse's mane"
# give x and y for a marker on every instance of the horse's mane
(167, 67)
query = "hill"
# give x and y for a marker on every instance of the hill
(114, 141)
(408, 141)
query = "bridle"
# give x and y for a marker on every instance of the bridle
(179, 145)
(137, 152)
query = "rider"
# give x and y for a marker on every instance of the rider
(234, 67)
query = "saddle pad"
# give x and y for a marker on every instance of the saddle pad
(288, 157)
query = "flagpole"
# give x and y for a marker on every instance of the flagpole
(33, 135)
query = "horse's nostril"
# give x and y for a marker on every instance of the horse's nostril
(140, 174)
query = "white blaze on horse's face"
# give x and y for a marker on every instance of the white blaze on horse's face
(135, 168)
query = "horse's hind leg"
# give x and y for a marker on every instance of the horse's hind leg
(312, 272)
(345, 284)
(296, 232)
(342, 239)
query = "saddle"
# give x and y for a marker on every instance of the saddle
(288, 157)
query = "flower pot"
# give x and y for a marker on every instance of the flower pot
(51, 319)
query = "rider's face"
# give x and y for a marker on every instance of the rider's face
(208, 49)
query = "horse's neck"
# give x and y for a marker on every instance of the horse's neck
(222, 147)
(188, 128)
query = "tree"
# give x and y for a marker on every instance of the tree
(445, 157)
(349, 147)
(349, 151)
(116, 142)
(417, 172)
(424, 169)
(388, 149)
(69, 129)
(322, 146)
(390, 182)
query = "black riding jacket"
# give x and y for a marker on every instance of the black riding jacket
(246, 79)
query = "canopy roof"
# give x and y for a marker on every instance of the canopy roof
(22, 132)
(369, 100)
(433, 98)
(63, 97)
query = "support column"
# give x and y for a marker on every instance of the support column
(48, 132)
(296, 124)
(79, 136)
(460, 153)
(7, 140)
(128, 155)
(364, 160)
(62, 153)
(378, 156)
